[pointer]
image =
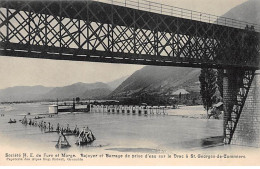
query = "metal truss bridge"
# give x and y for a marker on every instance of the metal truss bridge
(137, 32)
(133, 32)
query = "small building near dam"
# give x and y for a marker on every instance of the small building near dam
(53, 109)
(181, 93)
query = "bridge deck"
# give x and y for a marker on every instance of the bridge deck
(100, 32)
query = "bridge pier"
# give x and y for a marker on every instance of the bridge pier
(241, 98)
(247, 132)
(229, 99)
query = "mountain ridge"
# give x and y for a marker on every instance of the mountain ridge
(39, 92)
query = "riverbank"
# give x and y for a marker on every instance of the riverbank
(197, 112)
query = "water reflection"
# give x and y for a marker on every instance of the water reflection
(212, 141)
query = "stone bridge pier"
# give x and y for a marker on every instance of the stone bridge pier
(241, 108)
(247, 132)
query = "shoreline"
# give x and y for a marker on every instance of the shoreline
(195, 112)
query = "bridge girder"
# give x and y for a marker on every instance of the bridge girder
(99, 32)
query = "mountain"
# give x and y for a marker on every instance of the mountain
(99, 93)
(247, 11)
(114, 84)
(21, 93)
(76, 90)
(30, 93)
(158, 80)
(97, 90)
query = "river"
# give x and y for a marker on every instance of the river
(113, 132)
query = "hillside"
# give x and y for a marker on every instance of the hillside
(99, 93)
(114, 84)
(75, 90)
(158, 80)
(248, 12)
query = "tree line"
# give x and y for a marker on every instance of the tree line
(211, 87)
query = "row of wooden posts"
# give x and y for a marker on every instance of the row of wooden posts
(129, 109)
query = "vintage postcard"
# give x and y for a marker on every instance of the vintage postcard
(129, 83)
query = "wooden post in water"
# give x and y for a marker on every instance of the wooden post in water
(123, 109)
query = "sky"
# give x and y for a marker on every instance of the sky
(30, 72)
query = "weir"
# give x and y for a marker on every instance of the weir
(132, 109)
(143, 32)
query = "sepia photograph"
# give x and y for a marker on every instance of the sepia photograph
(129, 82)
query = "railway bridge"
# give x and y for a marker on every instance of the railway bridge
(148, 33)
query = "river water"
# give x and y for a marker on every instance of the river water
(113, 132)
